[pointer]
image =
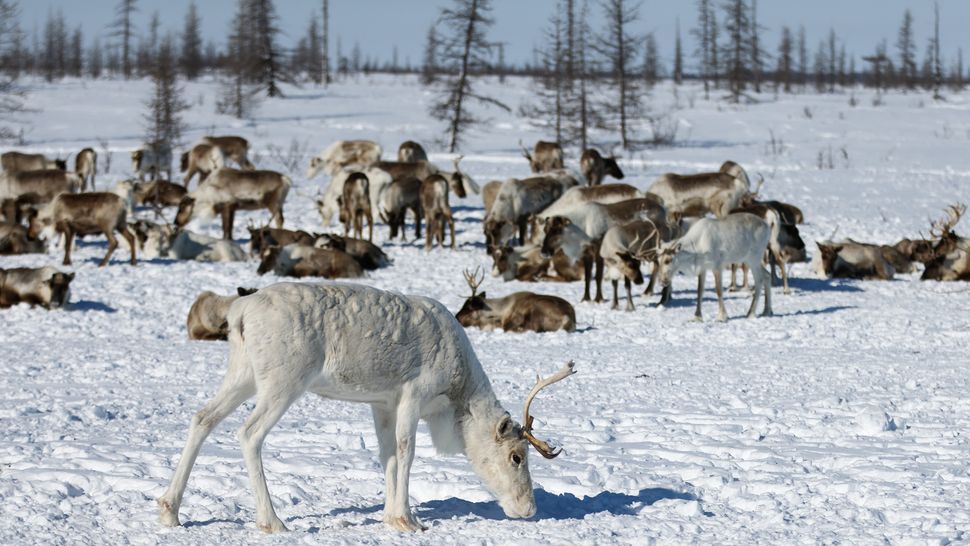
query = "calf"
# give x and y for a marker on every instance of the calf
(437, 211)
(355, 206)
(207, 316)
(151, 161)
(547, 156)
(232, 147)
(410, 151)
(306, 261)
(400, 196)
(227, 190)
(86, 167)
(367, 254)
(85, 214)
(517, 312)
(202, 159)
(345, 154)
(595, 167)
(44, 286)
(159, 194)
(15, 239)
(713, 244)
(15, 162)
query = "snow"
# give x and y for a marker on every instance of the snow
(844, 418)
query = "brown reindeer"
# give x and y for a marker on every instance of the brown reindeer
(86, 214)
(517, 312)
(355, 206)
(15, 239)
(261, 238)
(852, 260)
(202, 159)
(306, 261)
(227, 190)
(526, 263)
(39, 186)
(158, 194)
(595, 167)
(410, 151)
(437, 211)
(624, 248)
(44, 286)
(422, 169)
(86, 166)
(235, 148)
(950, 257)
(698, 194)
(367, 254)
(207, 316)
(401, 195)
(547, 156)
(345, 154)
(16, 162)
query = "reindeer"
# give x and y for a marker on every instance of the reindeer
(261, 238)
(207, 316)
(355, 206)
(359, 357)
(86, 166)
(595, 167)
(949, 259)
(44, 286)
(37, 187)
(401, 195)
(235, 148)
(517, 312)
(345, 154)
(367, 254)
(603, 194)
(15, 239)
(490, 193)
(547, 156)
(167, 241)
(85, 214)
(16, 162)
(784, 246)
(713, 244)
(158, 194)
(516, 201)
(296, 260)
(149, 160)
(328, 203)
(852, 260)
(202, 159)
(461, 183)
(227, 190)
(698, 194)
(624, 247)
(410, 151)
(527, 263)
(437, 211)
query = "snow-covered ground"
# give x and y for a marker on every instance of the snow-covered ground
(843, 419)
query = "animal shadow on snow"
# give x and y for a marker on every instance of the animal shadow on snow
(823, 285)
(85, 305)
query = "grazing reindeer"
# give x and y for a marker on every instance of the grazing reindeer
(595, 167)
(490, 193)
(367, 254)
(355, 206)
(713, 244)
(410, 151)
(202, 159)
(207, 316)
(517, 312)
(345, 154)
(698, 194)
(437, 211)
(16, 162)
(85, 214)
(950, 257)
(296, 260)
(151, 161)
(516, 202)
(235, 148)
(400, 196)
(227, 190)
(547, 156)
(44, 286)
(292, 338)
(624, 247)
(86, 166)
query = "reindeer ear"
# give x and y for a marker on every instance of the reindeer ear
(504, 427)
(482, 295)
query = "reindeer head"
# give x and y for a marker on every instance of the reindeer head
(186, 209)
(457, 179)
(941, 231)
(268, 259)
(611, 167)
(315, 165)
(554, 228)
(670, 260)
(60, 288)
(472, 312)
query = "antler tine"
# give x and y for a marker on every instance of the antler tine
(542, 447)
(456, 161)
(473, 279)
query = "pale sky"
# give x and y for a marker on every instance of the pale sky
(380, 25)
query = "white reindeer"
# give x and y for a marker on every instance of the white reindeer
(713, 244)
(406, 356)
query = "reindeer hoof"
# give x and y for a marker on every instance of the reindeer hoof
(167, 516)
(767, 314)
(405, 523)
(787, 291)
(698, 318)
(630, 308)
(721, 318)
(614, 307)
(274, 526)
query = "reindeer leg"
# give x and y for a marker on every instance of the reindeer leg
(226, 222)
(700, 294)
(767, 311)
(398, 514)
(648, 291)
(587, 276)
(370, 226)
(451, 223)
(734, 278)
(665, 294)
(599, 278)
(429, 229)
(616, 298)
(744, 271)
(760, 278)
(68, 242)
(385, 422)
(784, 276)
(126, 233)
(112, 245)
(721, 312)
(629, 294)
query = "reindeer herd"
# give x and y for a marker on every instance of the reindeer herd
(406, 356)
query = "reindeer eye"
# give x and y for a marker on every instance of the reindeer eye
(516, 459)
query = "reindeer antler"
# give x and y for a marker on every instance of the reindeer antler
(525, 151)
(542, 447)
(456, 161)
(943, 226)
(473, 279)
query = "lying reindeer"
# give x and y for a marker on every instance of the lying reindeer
(15, 239)
(527, 263)
(261, 238)
(517, 312)
(854, 260)
(44, 286)
(296, 260)
(367, 254)
(949, 259)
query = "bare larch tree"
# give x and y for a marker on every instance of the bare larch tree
(618, 45)
(163, 119)
(124, 30)
(191, 58)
